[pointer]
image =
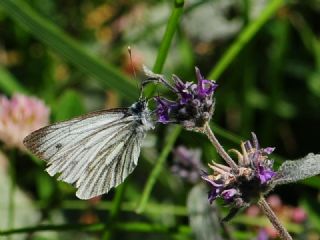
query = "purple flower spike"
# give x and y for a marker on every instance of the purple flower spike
(194, 104)
(265, 174)
(205, 87)
(187, 163)
(229, 194)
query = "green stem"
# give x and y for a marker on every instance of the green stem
(246, 13)
(171, 28)
(245, 36)
(172, 137)
(168, 35)
(115, 210)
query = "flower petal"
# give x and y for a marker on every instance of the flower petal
(164, 107)
(265, 174)
(228, 194)
(205, 87)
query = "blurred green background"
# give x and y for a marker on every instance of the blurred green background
(265, 56)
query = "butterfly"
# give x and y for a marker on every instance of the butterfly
(94, 152)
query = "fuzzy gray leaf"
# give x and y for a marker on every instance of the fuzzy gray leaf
(203, 217)
(293, 171)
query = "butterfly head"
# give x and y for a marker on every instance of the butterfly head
(143, 114)
(139, 107)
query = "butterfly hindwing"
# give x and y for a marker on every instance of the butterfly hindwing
(95, 152)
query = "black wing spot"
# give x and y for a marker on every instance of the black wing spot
(58, 146)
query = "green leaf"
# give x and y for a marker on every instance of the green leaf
(203, 217)
(55, 38)
(69, 105)
(293, 171)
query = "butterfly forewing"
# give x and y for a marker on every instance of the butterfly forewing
(95, 152)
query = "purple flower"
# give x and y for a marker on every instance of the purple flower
(268, 150)
(216, 184)
(213, 194)
(265, 174)
(183, 89)
(205, 87)
(215, 187)
(164, 107)
(193, 106)
(263, 235)
(259, 158)
(187, 164)
(229, 194)
(241, 186)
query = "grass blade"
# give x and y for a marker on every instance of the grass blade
(245, 36)
(69, 48)
(171, 28)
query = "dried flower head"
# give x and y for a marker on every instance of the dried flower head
(194, 105)
(19, 116)
(187, 163)
(254, 177)
(242, 186)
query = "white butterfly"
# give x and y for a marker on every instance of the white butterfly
(96, 151)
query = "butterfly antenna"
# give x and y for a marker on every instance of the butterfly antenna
(134, 71)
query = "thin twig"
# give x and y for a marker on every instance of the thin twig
(219, 148)
(264, 206)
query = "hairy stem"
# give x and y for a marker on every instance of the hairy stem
(171, 28)
(264, 206)
(219, 148)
